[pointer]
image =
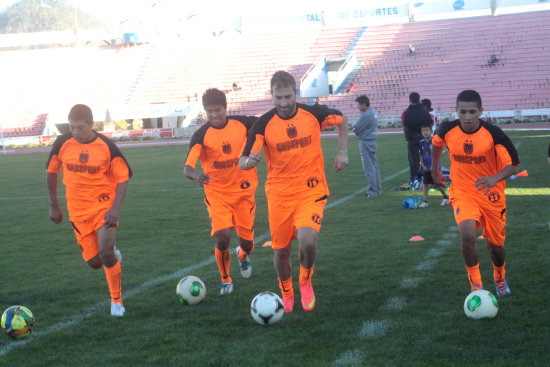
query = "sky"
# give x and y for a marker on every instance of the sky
(210, 12)
(114, 11)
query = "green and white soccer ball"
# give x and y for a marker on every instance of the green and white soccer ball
(267, 308)
(17, 322)
(191, 290)
(481, 304)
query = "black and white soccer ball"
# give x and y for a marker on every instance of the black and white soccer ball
(267, 308)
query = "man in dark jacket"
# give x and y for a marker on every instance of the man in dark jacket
(413, 118)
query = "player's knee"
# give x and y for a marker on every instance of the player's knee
(222, 240)
(246, 245)
(108, 257)
(95, 262)
(283, 252)
(468, 239)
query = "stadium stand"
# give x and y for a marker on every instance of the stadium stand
(451, 55)
(29, 126)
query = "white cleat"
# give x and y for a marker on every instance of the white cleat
(245, 266)
(226, 288)
(117, 309)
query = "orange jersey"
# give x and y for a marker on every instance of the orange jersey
(91, 172)
(292, 147)
(484, 152)
(219, 150)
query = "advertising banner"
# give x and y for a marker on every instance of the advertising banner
(358, 15)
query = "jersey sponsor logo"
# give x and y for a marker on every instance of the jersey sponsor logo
(226, 147)
(469, 159)
(291, 131)
(294, 144)
(493, 196)
(84, 156)
(316, 218)
(312, 182)
(245, 185)
(468, 147)
(226, 164)
(82, 168)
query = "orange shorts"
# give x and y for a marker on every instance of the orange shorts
(287, 215)
(231, 211)
(492, 220)
(85, 229)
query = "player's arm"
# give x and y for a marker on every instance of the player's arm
(488, 182)
(405, 128)
(193, 175)
(439, 179)
(56, 215)
(111, 216)
(250, 156)
(341, 160)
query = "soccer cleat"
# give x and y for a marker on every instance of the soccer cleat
(245, 266)
(444, 202)
(288, 302)
(476, 287)
(423, 205)
(117, 309)
(308, 297)
(118, 255)
(502, 287)
(226, 288)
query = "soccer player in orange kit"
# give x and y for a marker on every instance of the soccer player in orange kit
(229, 192)
(95, 174)
(296, 188)
(482, 157)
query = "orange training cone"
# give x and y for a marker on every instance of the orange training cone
(416, 238)
(522, 173)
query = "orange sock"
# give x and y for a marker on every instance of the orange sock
(113, 281)
(286, 287)
(306, 274)
(243, 254)
(499, 272)
(223, 259)
(474, 275)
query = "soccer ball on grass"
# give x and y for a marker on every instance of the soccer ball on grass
(267, 308)
(17, 322)
(481, 304)
(190, 290)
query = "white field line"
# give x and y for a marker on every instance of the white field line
(378, 328)
(91, 311)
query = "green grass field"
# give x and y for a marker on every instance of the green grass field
(381, 299)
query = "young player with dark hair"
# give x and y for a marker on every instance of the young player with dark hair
(229, 192)
(296, 188)
(425, 162)
(95, 174)
(428, 105)
(482, 157)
